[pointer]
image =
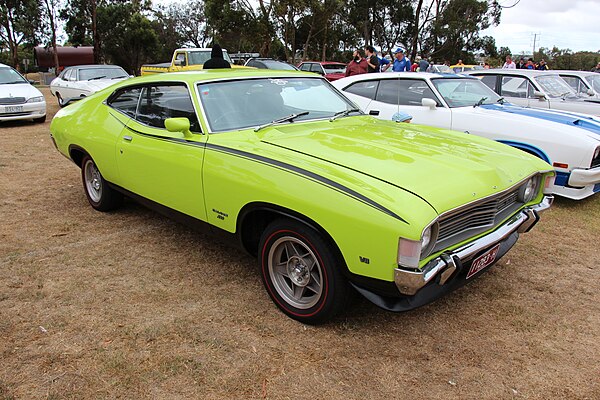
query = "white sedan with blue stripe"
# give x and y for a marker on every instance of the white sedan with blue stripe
(568, 141)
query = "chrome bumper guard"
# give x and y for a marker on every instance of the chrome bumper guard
(409, 281)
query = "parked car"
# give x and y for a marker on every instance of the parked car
(325, 196)
(539, 89)
(185, 59)
(269, 63)
(19, 99)
(570, 142)
(585, 83)
(330, 70)
(465, 67)
(83, 80)
(440, 68)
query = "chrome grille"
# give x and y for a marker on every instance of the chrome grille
(11, 100)
(472, 219)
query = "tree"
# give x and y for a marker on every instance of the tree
(183, 23)
(49, 18)
(81, 24)
(19, 22)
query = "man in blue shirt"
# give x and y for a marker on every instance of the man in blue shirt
(401, 63)
(383, 62)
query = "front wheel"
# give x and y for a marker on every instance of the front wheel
(301, 272)
(99, 194)
(61, 102)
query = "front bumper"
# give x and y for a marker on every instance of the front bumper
(409, 282)
(28, 111)
(584, 177)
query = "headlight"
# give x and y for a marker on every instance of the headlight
(35, 99)
(528, 191)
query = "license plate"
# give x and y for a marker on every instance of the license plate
(13, 109)
(483, 261)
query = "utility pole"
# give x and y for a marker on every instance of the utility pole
(535, 36)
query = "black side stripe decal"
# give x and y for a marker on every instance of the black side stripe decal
(165, 138)
(306, 174)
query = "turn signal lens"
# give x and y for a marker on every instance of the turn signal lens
(548, 182)
(409, 253)
(560, 165)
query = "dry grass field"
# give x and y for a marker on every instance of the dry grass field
(132, 305)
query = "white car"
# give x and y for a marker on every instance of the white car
(570, 142)
(18, 98)
(83, 80)
(539, 89)
(584, 83)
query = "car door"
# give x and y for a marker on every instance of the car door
(163, 166)
(519, 90)
(65, 90)
(406, 96)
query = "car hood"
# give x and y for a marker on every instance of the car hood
(20, 90)
(445, 168)
(588, 123)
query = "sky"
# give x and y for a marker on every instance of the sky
(572, 24)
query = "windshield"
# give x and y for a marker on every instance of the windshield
(202, 56)
(231, 105)
(554, 86)
(86, 74)
(443, 69)
(594, 81)
(9, 75)
(464, 92)
(335, 68)
(272, 64)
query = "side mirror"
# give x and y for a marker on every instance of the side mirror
(178, 63)
(427, 102)
(539, 95)
(179, 125)
(590, 92)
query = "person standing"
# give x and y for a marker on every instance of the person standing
(596, 68)
(384, 63)
(358, 65)
(372, 60)
(423, 65)
(216, 59)
(530, 64)
(509, 64)
(401, 63)
(542, 66)
(521, 63)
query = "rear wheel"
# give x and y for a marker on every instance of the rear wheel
(301, 272)
(99, 194)
(61, 101)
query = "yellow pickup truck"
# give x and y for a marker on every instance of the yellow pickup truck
(184, 60)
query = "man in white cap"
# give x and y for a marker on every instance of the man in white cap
(401, 63)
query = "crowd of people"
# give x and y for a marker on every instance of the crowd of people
(522, 64)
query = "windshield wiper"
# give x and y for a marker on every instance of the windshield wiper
(480, 102)
(12, 83)
(343, 113)
(97, 77)
(501, 100)
(117, 77)
(288, 118)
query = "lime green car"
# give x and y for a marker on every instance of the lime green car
(328, 199)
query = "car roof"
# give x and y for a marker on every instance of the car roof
(94, 66)
(571, 72)
(196, 49)
(517, 72)
(324, 62)
(412, 75)
(221, 74)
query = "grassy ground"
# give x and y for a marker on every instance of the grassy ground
(133, 305)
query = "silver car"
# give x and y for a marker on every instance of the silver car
(585, 83)
(539, 89)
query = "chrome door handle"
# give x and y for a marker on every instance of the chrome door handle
(127, 138)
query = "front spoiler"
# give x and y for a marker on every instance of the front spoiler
(409, 281)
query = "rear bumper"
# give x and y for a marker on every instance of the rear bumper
(448, 265)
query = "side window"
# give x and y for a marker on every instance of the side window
(407, 92)
(180, 58)
(316, 68)
(366, 89)
(515, 86)
(305, 67)
(489, 81)
(160, 102)
(73, 76)
(125, 101)
(575, 84)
